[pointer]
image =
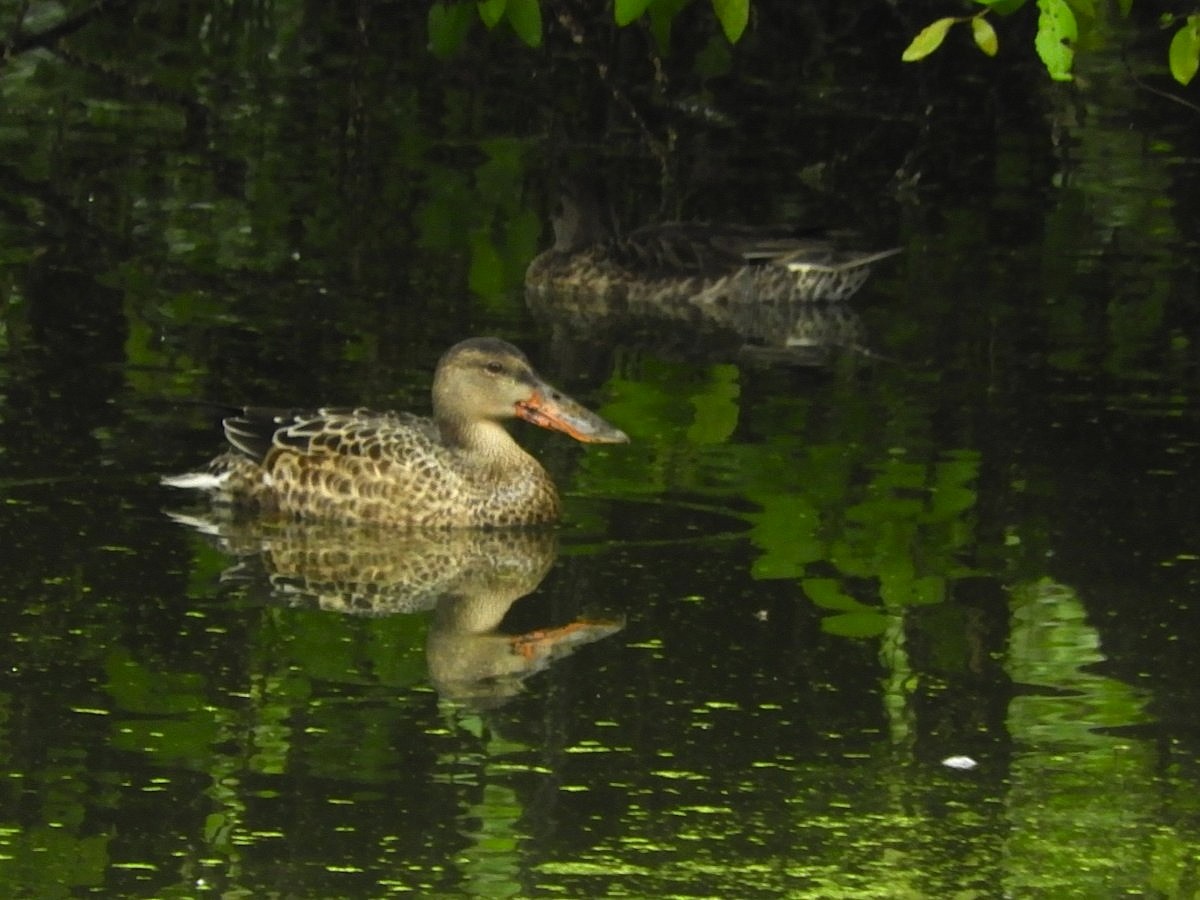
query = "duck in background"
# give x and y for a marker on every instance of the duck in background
(688, 263)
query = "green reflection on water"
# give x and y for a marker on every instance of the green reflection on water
(1078, 794)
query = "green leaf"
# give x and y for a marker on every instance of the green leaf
(1055, 42)
(448, 25)
(626, 11)
(714, 59)
(925, 590)
(952, 490)
(827, 594)
(869, 624)
(786, 533)
(1002, 7)
(492, 11)
(525, 17)
(1184, 53)
(1083, 9)
(716, 407)
(1125, 6)
(927, 40)
(662, 14)
(985, 36)
(486, 273)
(733, 16)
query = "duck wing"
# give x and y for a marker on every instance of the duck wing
(702, 249)
(329, 430)
(682, 248)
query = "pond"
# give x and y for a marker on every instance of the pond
(901, 605)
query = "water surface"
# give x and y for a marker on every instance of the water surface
(797, 592)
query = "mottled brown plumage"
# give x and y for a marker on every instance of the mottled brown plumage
(459, 469)
(689, 262)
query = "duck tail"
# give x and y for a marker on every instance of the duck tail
(224, 475)
(197, 481)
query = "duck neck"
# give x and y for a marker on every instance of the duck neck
(486, 440)
(579, 224)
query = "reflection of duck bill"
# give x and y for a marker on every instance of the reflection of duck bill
(553, 642)
(486, 669)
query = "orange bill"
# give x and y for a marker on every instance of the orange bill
(551, 408)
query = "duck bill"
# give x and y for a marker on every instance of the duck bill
(552, 409)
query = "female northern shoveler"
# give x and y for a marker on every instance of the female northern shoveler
(459, 469)
(688, 263)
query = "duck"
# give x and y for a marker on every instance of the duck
(695, 264)
(461, 468)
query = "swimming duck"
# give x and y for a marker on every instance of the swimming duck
(693, 263)
(459, 469)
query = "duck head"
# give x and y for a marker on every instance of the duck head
(578, 219)
(489, 380)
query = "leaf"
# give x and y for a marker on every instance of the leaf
(713, 60)
(869, 624)
(985, 36)
(927, 40)
(786, 533)
(525, 17)
(828, 594)
(1083, 9)
(626, 11)
(952, 491)
(486, 273)
(716, 407)
(1184, 53)
(733, 16)
(1056, 35)
(1002, 7)
(448, 24)
(662, 14)
(897, 593)
(491, 11)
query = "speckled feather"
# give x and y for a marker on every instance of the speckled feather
(380, 467)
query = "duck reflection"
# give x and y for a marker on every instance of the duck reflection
(795, 334)
(470, 578)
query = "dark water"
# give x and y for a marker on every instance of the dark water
(795, 594)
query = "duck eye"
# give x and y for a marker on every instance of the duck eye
(493, 367)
